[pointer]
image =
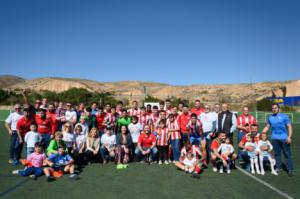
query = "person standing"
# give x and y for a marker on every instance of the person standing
(226, 122)
(281, 137)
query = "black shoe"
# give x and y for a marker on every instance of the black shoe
(195, 175)
(290, 174)
(50, 179)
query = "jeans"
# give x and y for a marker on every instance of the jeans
(29, 150)
(185, 137)
(239, 138)
(14, 146)
(246, 158)
(104, 153)
(208, 142)
(153, 152)
(46, 138)
(176, 149)
(37, 171)
(281, 146)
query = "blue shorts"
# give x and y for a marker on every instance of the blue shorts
(195, 140)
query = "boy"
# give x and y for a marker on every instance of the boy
(31, 138)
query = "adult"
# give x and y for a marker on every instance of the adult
(45, 126)
(123, 120)
(183, 121)
(123, 144)
(226, 122)
(244, 122)
(281, 137)
(71, 115)
(146, 147)
(135, 109)
(197, 108)
(108, 142)
(11, 126)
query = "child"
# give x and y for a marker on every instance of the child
(162, 142)
(68, 136)
(265, 149)
(31, 138)
(190, 165)
(55, 144)
(35, 162)
(135, 129)
(175, 135)
(60, 162)
(252, 153)
(226, 149)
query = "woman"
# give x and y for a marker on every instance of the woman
(123, 142)
(92, 152)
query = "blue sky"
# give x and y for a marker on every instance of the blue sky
(178, 42)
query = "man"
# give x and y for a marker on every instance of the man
(123, 120)
(94, 108)
(281, 137)
(45, 126)
(161, 106)
(244, 123)
(71, 115)
(146, 147)
(197, 108)
(51, 113)
(168, 107)
(80, 110)
(11, 126)
(183, 121)
(134, 110)
(119, 108)
(226, 122)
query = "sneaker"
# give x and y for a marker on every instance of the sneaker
(15, 172)
(195, 175)
(73, 177)
(125, 166)
(262, 173)
(228, 171)
(160, 162)
(258, 172)
(290, 173)
(215, 169)
(15, 162)
(166, 162)
(120, 166)
(221, 170)
(253, 172)
(50, 179)
(274, 173)
(34, 177)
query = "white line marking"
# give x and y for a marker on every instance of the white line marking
(265, 183)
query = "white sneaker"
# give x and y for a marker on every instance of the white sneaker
(15, 172)
(253, 172)
(274, 173)
(160, 162)
(166, 162)
(258, 172)
(228, 171)
(262, 173)
(221, 170)
(215, 169)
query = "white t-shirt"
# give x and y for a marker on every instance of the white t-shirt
(188, 162)
(79, 140)
(31, 138)
(226, 148)
(71, 115)
(68, 138)
(135, 130)
(85, 128)
(207, 120)
(108, 140)
(13, 119)
(265, 144)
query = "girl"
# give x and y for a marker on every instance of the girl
(252, 153)
(226, 149)
(92, 152)
(162, 142)
(68, 136)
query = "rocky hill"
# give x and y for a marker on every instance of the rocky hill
(9, 80)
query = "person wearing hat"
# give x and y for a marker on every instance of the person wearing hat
(11, 126)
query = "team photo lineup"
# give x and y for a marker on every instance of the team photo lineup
(60, 138)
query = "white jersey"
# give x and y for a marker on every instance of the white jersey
(207, 120)
(85, 128)
(266, 143)
(71, 116)
(226, 148)
(252, 154)
(13, 119)
(135, 130)
(31, 138)
(79, 141)
(68, 138)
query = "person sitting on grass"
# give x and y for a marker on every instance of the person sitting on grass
(108, 142)
(62, 162)
(55, 143)
(34, 163)
(146, 149)
(226, 149)
(190, 165)
(123, 147)
(68, 136)
(92, 152)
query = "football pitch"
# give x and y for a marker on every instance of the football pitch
(149, 181)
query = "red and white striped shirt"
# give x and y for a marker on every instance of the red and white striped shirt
(194, 149)
(194, 129)
(133, 112)
(162, 137)
(171, 126)
(145, 120)
(242, 120)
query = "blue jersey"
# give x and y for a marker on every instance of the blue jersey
(59, 160)
(278, 123)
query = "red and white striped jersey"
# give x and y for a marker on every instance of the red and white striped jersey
(171, 126)
(109, 118)
(195, 150)
(145, 120)
(194, 128)
(242, 120)
(168, 111)
(154, 118)
(162, 137)
(132, 112)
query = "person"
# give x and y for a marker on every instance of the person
(168, 107)
(134, 110)
(80, 111)
(11, 126)
(190, 165)
(226, 122)
(253, 153)
(55, 143)
(70, 114)
(146, 148)
(180, 107)
(68, 136)
(281, 137)
(175, 136)
(92, 151)
(265, 149)
(83, 124)
(31, 138)
(100, 120)
(145, 119)
(135, 129)
(244, 122)
(23, 126)
(197, 108)
(35, 162)
(123, 144)
(154, 115)
(60, 113)
(108, 142)
(79, 146)
(162, 138)
(215, 155)
(119, 108)
(183, 121)
(60, 161)
(44, 126)
(162, 106)
(226, 149)
(123, 120)
(51, 114)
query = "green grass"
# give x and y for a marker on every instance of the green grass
(147, 181)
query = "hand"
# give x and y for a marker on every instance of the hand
(51, 136)
(20, 140)
(95, 152)
(10, 132)
(289, 140)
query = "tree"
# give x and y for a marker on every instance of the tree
(264, 105)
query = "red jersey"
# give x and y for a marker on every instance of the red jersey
(23, 125)
(54, 120)
(183, 121)
(244, 139)
(100, 120)
(171, 126)
(133, 112)
(242, 120)
(44, 126)
(197, 111)
(146, 140)
(215, 144)
(162, 137)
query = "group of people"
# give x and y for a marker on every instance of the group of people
(61, 138)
